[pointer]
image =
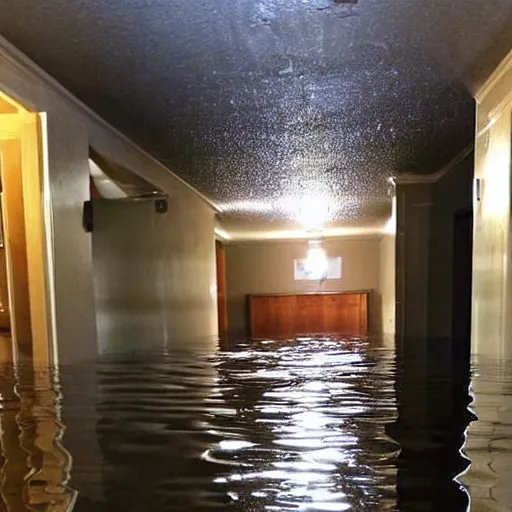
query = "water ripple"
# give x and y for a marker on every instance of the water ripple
(313, 425)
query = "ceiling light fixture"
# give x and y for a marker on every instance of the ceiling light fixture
(313, 212)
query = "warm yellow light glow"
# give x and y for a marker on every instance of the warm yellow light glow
(316, 261)
(313, 213)
(10, 106)
(310, 211)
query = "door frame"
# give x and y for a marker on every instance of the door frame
(25, 214)
(222, 309)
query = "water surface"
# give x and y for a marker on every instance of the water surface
(313, 424)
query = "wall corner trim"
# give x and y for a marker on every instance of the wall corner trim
(14, 57)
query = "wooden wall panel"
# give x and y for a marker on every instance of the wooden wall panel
(284, 316)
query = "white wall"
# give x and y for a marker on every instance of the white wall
(71, 129)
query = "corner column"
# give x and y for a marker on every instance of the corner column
(414, 200)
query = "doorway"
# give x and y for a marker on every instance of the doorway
(222, 310)
(462, 275)
(24, 319)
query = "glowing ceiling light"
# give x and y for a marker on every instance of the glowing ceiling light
(313, 212)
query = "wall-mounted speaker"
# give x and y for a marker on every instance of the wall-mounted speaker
(88, 216)
(161, 206)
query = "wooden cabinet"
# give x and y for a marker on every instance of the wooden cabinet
(284, 316)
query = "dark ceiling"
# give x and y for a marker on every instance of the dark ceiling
(259, 100)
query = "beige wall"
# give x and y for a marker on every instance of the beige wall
(268, 267)
(71, 129)
(425, 220)
(492, 314)
(414, 202)
(150, 274)
(451, 194)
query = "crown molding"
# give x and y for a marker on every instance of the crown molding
(272, 237)
(29, 69)
(417, 179)
(504, 67)
(247, 242)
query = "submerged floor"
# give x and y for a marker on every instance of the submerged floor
(321, 425)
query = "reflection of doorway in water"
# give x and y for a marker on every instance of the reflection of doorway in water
(35, 469)
(433, 416)
(23, 258)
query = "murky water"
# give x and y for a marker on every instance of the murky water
(315, 425)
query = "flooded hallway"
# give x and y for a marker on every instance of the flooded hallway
(255, 255)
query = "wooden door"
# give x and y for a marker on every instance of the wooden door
(222, 309)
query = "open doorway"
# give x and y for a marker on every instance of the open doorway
(462, 286)
(222, 310)
(24, 320)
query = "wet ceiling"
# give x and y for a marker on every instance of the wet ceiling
(259, 103)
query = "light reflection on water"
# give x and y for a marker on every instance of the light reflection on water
(317, 425)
